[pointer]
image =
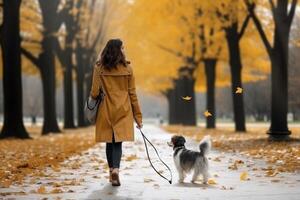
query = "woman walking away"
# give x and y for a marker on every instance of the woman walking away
(114, 122)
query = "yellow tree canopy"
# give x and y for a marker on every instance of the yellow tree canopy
(146, 26)
(31, 32)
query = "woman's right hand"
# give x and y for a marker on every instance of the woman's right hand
(139, 126)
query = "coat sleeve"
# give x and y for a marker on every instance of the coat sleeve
(96, 83)
(133, 99)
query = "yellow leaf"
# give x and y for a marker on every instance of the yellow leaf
(271, 173)
(239, 90)
(131, 157)
(187, 98)
(244, 176)
(207, 114)
(56, 191)
(41, 190)
(211, 181)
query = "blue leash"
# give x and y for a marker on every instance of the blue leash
(146, 139)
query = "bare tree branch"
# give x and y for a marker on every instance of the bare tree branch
(30, 40)
(176, 53)
(60, 52)
(30, 57)
(60, 17)
(251, 10)
(244, 26)
(273, 8)
(292, 12)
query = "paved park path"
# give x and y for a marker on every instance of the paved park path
(139, 180)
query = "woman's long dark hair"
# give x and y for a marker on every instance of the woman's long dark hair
(112, 55)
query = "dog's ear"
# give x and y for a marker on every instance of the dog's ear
(180, 141)
(173, 138)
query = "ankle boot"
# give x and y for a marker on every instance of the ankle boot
(115, 177)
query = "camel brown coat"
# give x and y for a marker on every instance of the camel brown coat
(120, 104)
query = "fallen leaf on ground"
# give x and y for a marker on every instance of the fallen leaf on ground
(271, 173)
(131, 157)
(217, 159)
(211, 181)
(56, 191)
(147, 180)
(244, 176)
(41, 190)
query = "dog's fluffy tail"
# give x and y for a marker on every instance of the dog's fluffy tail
(205, 145)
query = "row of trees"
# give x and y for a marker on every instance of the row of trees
(68, 33)
(203, 35)
(186, 46)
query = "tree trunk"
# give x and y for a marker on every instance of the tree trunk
(283, 18)
(185, 109)
(179, 113)
(68, 91)
(279, 78)
(88, 71)
(68, 66)
(46, 62)
(236, 77)
(210, 72)
(171, 101)
(80, 84)
(47, 69)
(12, 83)
(190, 106)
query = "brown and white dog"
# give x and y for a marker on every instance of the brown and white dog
(188, 160)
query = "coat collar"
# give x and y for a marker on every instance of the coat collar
(119, 71)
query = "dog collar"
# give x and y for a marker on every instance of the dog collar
(179, 147)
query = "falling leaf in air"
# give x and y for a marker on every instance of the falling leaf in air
(244, 176)
(187, 98)
(211, 181)
(207, 114)
(239, 90)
